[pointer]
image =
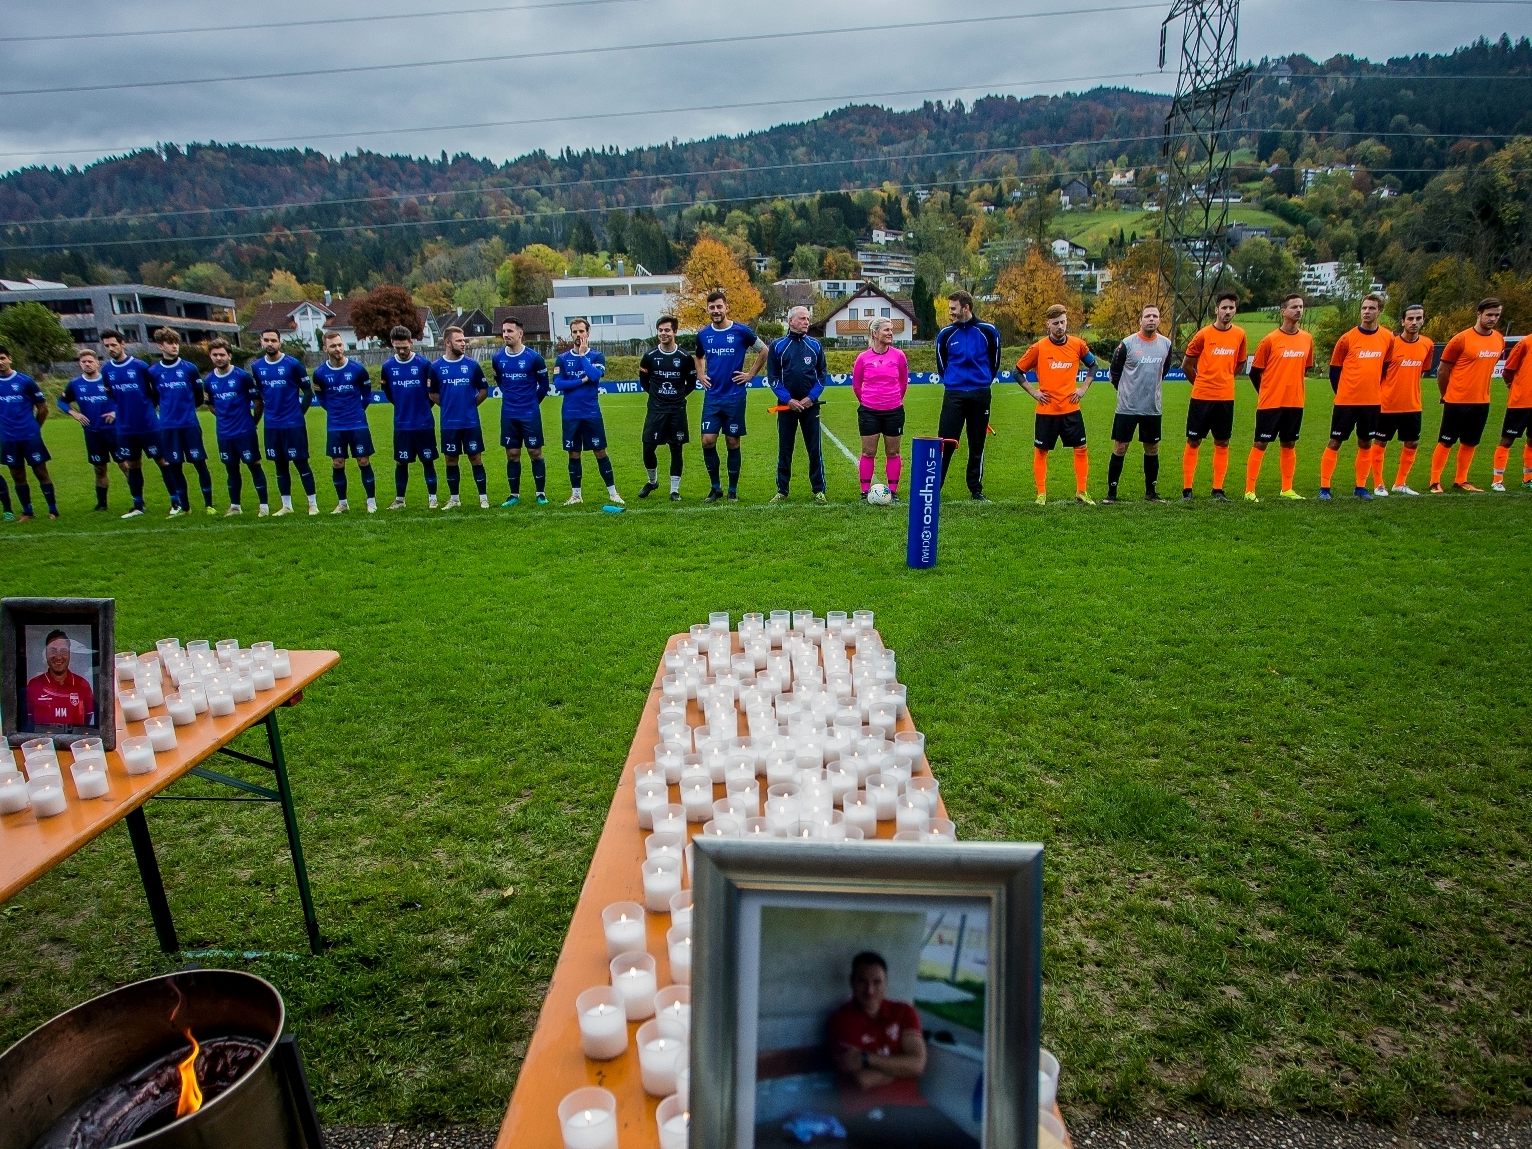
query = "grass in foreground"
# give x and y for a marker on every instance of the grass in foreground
(1278, 755)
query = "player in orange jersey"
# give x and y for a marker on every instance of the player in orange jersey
(1057, 360)
(1518, 414)
(1281, 361)
(1468, 362)
(1356, 377)
(1215, 355)
(1409, 356)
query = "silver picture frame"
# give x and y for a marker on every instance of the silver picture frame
(735, 880)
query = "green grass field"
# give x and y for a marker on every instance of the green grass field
(1092, 229)
(1279, 756)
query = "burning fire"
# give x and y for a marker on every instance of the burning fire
(191, 1092)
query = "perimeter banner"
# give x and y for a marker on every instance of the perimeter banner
(925, 487)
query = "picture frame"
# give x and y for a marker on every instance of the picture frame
(58, 653)
(776, 926)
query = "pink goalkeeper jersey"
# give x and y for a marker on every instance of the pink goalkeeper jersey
(880, 381)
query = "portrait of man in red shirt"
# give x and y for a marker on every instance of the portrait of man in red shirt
(58, 696)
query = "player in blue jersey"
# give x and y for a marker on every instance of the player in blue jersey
(178, 394)
(138, 425)
(23, 410)
(88, 401)
(523, 380)
(721, 372)
(577, 375)
(235, 400)
(285, 399)
(344, 390)
(458, 388)
(406, 382)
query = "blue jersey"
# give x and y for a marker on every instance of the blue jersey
(93, 398)
(233, 398)
(344, 393)
(283, 385)
(523, 381)
(456, 387)
(576, 377)
(132, 389)
(19, 396)
(723, 353)
(178, 391)
(407, 385)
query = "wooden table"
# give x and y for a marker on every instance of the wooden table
(30, 846)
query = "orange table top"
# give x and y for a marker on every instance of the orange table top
(31, 846)
(554, 1064)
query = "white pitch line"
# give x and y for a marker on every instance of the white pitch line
(838, 443)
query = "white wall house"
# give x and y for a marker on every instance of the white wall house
(617, 306)
(851, 319)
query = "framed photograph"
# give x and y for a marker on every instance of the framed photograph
(57, 657)
(864, 994)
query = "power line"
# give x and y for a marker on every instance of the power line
(560, 53)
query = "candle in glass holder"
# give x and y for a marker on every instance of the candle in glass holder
(650, 796)
(38, 750)
(220, 701)
(662, 877)
(633, 979)
(47, 796)
(757, 828)
(127, 667)
(674, 1004)
(138, 754)
(883, 791)
(782, 816)
(910, 814)
(924, 789)
(82, 749)
(180, 709)
(151, 689)
(14, 796)
(603, 1023)
(681, 908)
(262, 676)
(588, 1119)
(910, 747)
(243, 688)
(198, 646)
(161, 732)
(196, 694)
(226, 649)
(168, 646)
(281, 663)
(941, 830)
(661, 1046)
(859, 810)
(670, 819)
(89, 777)
(674, 1122)
(623, 925)
(678, 941)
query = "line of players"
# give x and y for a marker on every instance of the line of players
(1375, 374)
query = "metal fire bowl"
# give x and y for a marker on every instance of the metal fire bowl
(63, 1063)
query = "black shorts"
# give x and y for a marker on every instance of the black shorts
(666, 425)
(100, 446)
(357, 443)
(412, 445)
(1282, 423)
(1213, 417)
(1358, 417)
(132, 444)
(1049, 430)
(1403, 424)
(181, 445)
(870, 422)
(18, 452)
(462, 441)
(1516, 422)
(1147, 426)
(1463, 423)
(287, 443)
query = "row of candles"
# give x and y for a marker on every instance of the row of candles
(823, 743)
(209, 680)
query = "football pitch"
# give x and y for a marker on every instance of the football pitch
(1280, 755)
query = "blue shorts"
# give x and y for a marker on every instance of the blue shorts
(100, 446)
(132, 444)
(462, 441)
(239, 448)
(726, 418)
(583, 434)
(290, 443)
(18, 452)
(181, 445)
(411, 445)
(358, 444)
(515, 432)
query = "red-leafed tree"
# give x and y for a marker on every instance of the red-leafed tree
(382, 309)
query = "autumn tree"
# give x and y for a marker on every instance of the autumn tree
(34, 335)
(1026, 290)
(437, 295)
(1136, 282)
(384, 308)
(710, 266)
(840, 264)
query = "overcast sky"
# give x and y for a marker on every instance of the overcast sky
(529, 78)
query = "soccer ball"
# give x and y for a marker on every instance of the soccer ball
(879, 495)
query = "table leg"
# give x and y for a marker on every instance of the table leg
(154, 885)
(290, 817)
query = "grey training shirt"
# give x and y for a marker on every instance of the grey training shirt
(1138, 367)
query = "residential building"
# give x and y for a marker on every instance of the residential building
(532, 317)
(1064, 249)
(882, 236)
(304, 320)
(1324, 279)
(135, 309)
(1075, 193)
(1123, 179)
(893, 271)
(851, 319)
(475, 323)
(836, 288)
(617, 307)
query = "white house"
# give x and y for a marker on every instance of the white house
(851, 319)
(1323, 279)
(618, 307)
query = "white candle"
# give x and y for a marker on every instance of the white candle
(697, 801)
(588, 1119)
(181, 709)
(127, 667)
(623, 925)
(633, 978)
(674, 1004)
(924, 790)
(262, 676)
(168, 646)
(883, 793)
(83, 749)
(910, 814)
(661, 1048)
(281, 663)
(133, 706)
(673, 1121)
(197, 646)
(678, 940)
(650, 797)
(227, 648)
(662, 877)
(138, 754)
(860, 812)
(603, 1023)
(38, 767)
(14, 796)
(941, 830)
(151, 689)
(196, 694)
(47, 797)
(161, 732)
(38, 750)
(670, 819)
(244, 688)
(89, 778)
(220, 701)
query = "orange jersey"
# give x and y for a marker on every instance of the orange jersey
(1472, 357)
(1283, 360)
(1359, 355)
(1058, 372)
(1219, 356)
(1516, 364)
(1407, 362)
